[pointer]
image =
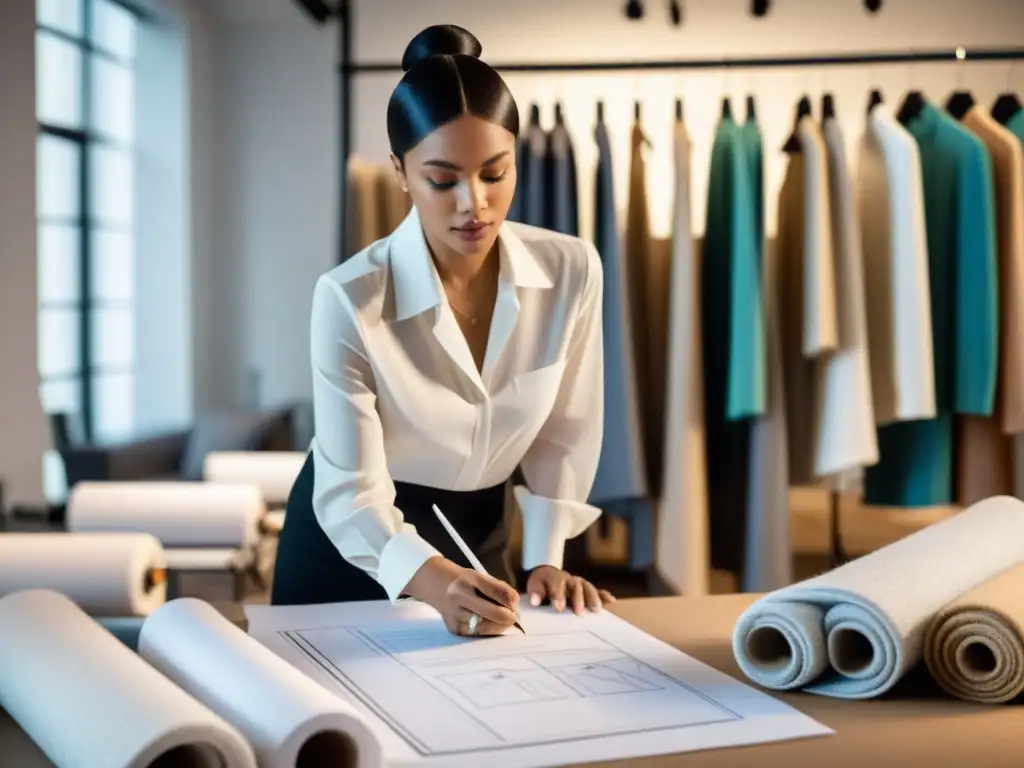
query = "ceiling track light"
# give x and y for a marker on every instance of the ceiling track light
(873, 6)
(760, 8)
(634, 10)
(675, 12)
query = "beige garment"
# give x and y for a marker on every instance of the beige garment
(646, 275)
(848, 439)
(890, 204)
(974, 647)
(393, 202)
(807, 302)
(985, 449)
(362, 209)
(681, 539)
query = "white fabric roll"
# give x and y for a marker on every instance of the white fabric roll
(105, 574)
(278, 708)
(854, 632)
(274, 472)
(179, 514)
(88, 701)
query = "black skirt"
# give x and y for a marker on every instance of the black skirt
(309, 569)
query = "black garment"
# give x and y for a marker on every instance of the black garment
(309, 569)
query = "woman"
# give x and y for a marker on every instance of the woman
(445, 357)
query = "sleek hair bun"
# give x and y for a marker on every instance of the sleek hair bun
(445, 79)
(440, 40)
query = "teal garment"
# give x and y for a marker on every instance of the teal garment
(1016, 124)
(915, 465)
(731, 285)
(755, 154)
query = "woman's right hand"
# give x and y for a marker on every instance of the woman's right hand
(451, 590)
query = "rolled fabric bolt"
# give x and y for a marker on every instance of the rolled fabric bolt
(273, 472)
(854, 632)
(87, 700)
(179, 514)
(105, 574)
(974, 647)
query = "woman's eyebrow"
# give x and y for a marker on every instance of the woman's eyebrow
(453, 167)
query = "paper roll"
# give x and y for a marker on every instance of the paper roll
(288, 718)
(273, 472)
(854, 632)
(88, 701)
(105, 574)
(974, 646)
(179, 514)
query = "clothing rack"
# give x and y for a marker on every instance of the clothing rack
(348, 69)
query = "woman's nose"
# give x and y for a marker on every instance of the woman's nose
(472, 198)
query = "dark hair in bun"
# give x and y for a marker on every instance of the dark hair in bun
(445, 79)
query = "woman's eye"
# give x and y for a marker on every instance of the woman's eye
(440, 184)
(494, 179)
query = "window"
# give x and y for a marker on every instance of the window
(85, 52)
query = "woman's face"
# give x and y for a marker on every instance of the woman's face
(461, 178)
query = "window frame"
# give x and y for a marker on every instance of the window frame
(85, 139)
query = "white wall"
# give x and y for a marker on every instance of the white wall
(23, 432)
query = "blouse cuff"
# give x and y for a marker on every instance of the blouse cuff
(548, 524)
(402, 556)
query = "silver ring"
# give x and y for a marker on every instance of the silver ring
(474, 622)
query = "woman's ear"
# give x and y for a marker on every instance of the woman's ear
(400, 173)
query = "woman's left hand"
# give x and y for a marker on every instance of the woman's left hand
(561, 588)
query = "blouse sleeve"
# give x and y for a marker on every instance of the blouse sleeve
(560, 465)
(353, 493)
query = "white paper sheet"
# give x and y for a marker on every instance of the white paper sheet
(575, 689)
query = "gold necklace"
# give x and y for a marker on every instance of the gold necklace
(471, 317)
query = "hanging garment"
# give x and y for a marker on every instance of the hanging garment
(562, 194)
(890, 201)
(393, 202)
(1016, 124)
(682, 522)
(733, 344)
(645, 267)
(807, 305)
(621, 475)
(768, 561)
(362, 210)
(846, 440)
(536, 205)
(915, 465)
(985, 462)
(517, 209)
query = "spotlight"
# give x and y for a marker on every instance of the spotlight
(759, 7)
(873, 6)
(635, 9)
(675, 12)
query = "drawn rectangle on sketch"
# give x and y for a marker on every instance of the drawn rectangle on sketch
(448, 696)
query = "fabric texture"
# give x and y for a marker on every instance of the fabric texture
(974, 646)
(915, 465)
(621, 474)
(811, 635)
(733, 344)
(562, 186)
(681, 540)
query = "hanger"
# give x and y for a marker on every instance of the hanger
(600, 111)
(959, 103)
(828, 106)
(726, 109)
(751, 109)
(912, 105)
(803, 109)
(636, 111)
(1005, 107)
(558, 113)
(679, 109)
(535, 114)
(874, 99)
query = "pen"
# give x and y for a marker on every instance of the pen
(473, 560)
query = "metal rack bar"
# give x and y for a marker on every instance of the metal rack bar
(749, 62)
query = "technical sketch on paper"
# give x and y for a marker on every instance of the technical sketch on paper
(448, 695)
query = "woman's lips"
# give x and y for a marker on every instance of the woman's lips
(472, 232)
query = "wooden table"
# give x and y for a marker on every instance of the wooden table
(915, 727)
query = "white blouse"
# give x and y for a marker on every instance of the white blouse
(397, 395)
